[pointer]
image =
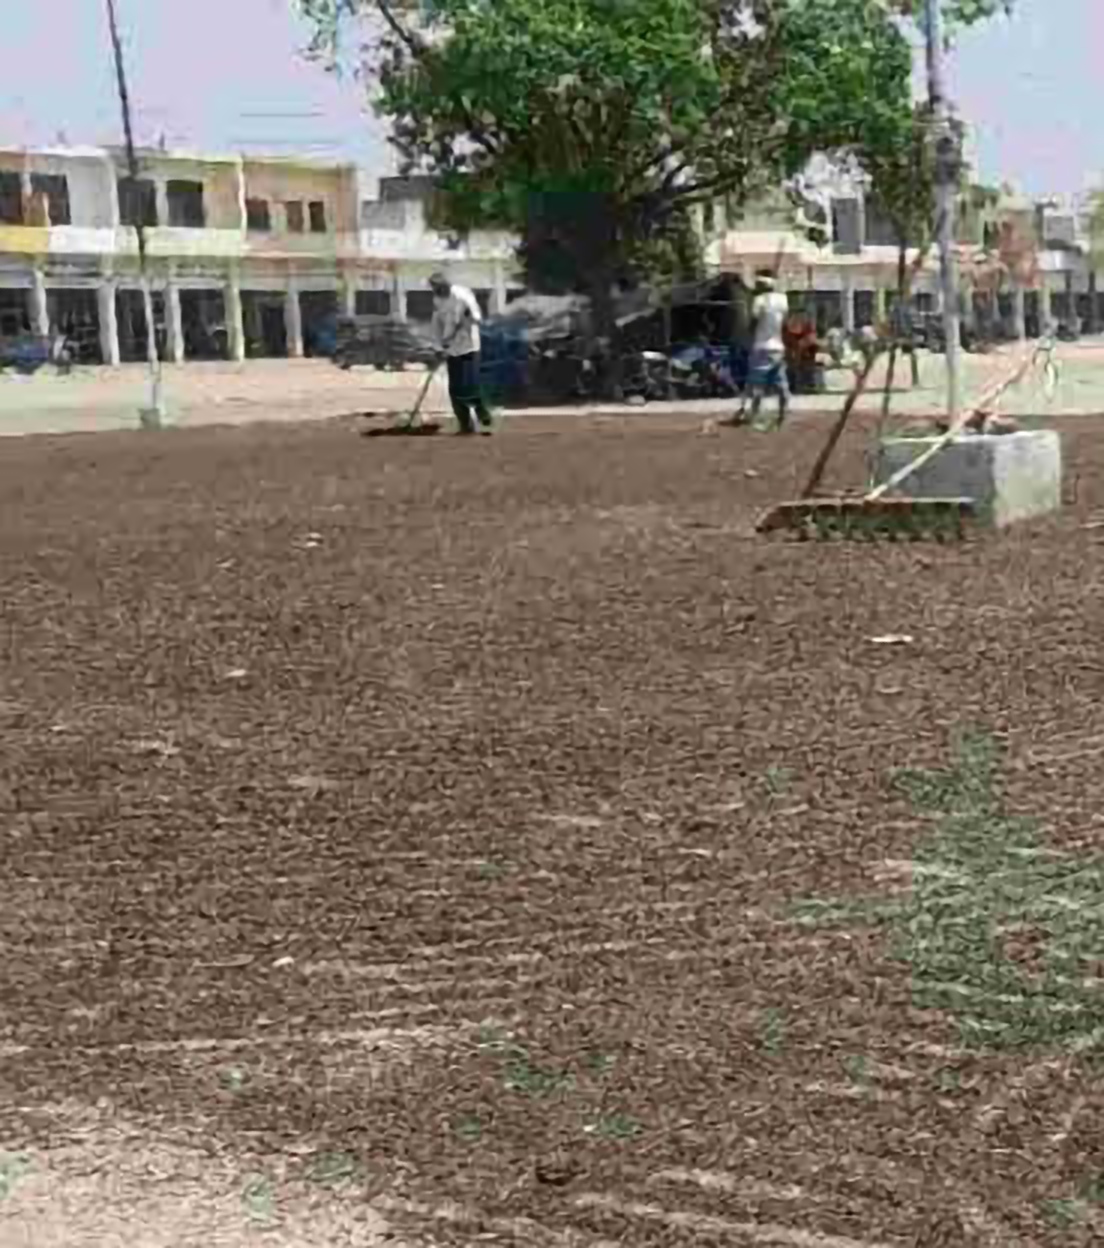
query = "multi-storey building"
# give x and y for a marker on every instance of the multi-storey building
(253, 257)
(1022, 265)
(247, 257)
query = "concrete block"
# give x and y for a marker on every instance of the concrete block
(1008, 477)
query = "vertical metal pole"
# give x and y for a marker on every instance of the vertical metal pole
(154, 415)
(946, 195)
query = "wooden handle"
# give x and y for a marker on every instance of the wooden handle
(837, 432)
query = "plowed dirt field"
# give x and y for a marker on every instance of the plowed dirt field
(494, 841)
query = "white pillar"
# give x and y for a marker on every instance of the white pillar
(881, 309)
(151, 323)
(40, 311)
(239, 186)
(174, 325)
(109, 191)
(161, 189)
(1019, 312)
(498, 295)
(235, 322)
(848, 288)
(293, 321)
(398, 298)
(109, 323)
(349, 293)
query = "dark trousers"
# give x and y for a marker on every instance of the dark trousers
(464, 392)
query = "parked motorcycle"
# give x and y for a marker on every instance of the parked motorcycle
(645, 374)
(704, 371)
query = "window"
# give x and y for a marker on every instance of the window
(11, 199)
(186, 205)
(137, 202)
(317, 217)
(295, 221)
(514, 293)
(419, 305)
(373, 303)
(55, 187)
(846, 227)
(257, 215)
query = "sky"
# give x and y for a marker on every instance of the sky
(229, 75)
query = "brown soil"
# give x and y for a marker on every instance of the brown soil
(422, 820)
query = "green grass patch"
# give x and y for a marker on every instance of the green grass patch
(332, 1168)
(1064, 1214)
(618, 1128)
(857, 1069)
(233, 1079)
(527, 1077)
(1003, 933)
(470, 1129)
(777, 779)
(773, 1032)
(520, 1072)
(259, 1198)
(13, 1167)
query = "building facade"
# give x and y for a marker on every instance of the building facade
(254, 257)
(247, 257)
(1023, 265)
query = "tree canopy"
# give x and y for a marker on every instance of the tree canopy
(595, 127)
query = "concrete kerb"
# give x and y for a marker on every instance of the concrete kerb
(1009, 477)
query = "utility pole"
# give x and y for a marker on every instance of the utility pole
(946, 194)
(152, 417)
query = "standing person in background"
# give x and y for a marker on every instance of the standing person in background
(456, 319)
(902, 328)
(767, 365)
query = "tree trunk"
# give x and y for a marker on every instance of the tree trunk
(604, 336)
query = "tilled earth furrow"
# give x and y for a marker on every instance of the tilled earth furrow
(521, 829)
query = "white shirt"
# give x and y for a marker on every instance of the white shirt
(459, 308)
(770, 310)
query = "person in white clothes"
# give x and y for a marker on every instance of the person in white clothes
(456, 320)
(767, 362)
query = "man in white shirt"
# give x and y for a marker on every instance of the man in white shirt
(456, 320)
(767, 362)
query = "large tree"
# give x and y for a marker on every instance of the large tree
(594, 128)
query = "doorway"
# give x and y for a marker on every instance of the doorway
(75, 312)
(264, 323)
(203, 321)
(130, 311)
(318, 309)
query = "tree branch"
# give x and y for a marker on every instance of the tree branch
(415, 46)
(421, 52)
